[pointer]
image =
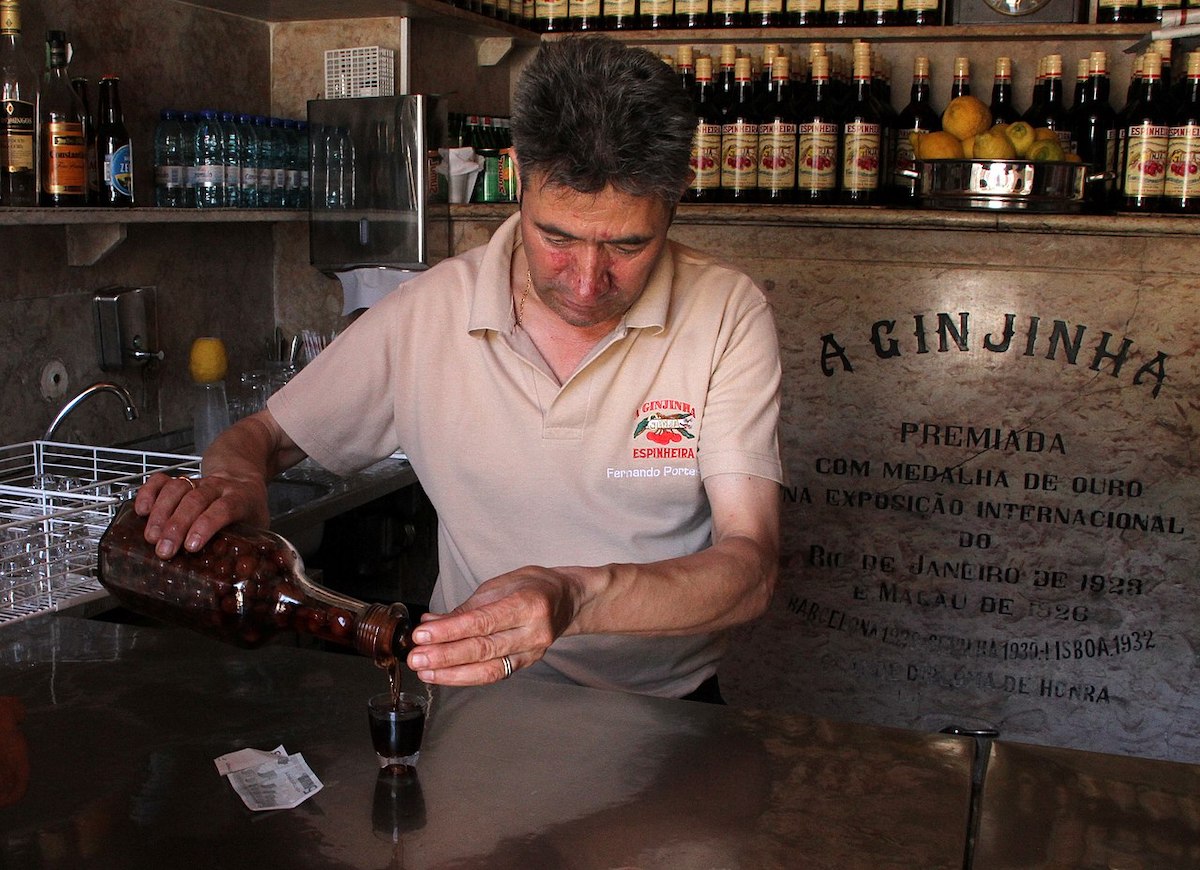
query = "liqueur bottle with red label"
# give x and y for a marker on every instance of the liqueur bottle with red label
(817, 129)
(705, 185)
(777, 136)
(1181, 190)
(739, 139)
(862, 136)
(1145, 127)
(18, 114)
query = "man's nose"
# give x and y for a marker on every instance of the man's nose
(591, 270)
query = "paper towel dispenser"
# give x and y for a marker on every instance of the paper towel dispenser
(370, 177)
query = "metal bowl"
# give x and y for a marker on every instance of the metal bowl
(1055, 187)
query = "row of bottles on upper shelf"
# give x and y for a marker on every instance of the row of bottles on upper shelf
(223, 159)
(799, 131)
(549, 16)
(53, 153)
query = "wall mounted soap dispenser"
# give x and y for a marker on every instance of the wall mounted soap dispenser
(125, 327)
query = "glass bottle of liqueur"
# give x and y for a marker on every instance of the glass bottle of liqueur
(817, 129)
(1181, 189)
(1118, 11)
(842, 13)
(1051, 113)
(583, 15)
(114, 151)
(18, 114)
(862, 137)
(1003, 110)
(619, 14)
(1095, 133)
(920, 13)
(550, 16)
(1145, 133)
(706, 141)
(690, 14)
(1153, 11)
(762, 79)
(656, 14)
(63, 131)
(739, 139)
(777, 136)
(685, 67)
(728, 13)
(80, 86)
(880, 13)
(802, 13)
(724, 79)
(961, 84)
(918, 116)
(765, 13)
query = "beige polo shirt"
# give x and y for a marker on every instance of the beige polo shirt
(607, 467)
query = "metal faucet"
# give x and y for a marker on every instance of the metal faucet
(117, 390)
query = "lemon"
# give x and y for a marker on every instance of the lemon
(207, 362)
(1046, 151)
(966, 117)
(993, 145)
(1044, 133)
(1021, 136)
(968, 147)
(939, 146)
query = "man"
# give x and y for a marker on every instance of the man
(591, 409)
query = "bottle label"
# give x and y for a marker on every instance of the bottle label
(265, 177)
(691, 7)
(66, 158)
(906, 157)
(807, 6)
(841, 5)
(209, 175)
(919, 5)
(250, 177)
(1117, 4)
(620, 8)
(16, 136)
(706, 157)
(1183, 163)
(881, 5)
(279, 179)
(763, 7)
(118, 171)
(584, 8)
(860, 153)
(817, 161)
(550, 10)
(170, 177)
(739, 155)
(233, 175)
(1111, 148)
(1146, 160)
(724, 7)
(776, 156)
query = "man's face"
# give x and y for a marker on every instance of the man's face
(590, 254)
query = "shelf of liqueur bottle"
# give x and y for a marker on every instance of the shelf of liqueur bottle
(933, 33)
(98, 216)
(893, 218)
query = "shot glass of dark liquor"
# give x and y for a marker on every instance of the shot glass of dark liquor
(397, 725)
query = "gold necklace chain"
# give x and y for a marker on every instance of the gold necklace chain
(524, 296)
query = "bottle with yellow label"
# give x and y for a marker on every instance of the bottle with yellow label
(63, 131)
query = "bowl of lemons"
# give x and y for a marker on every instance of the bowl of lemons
(975, 163)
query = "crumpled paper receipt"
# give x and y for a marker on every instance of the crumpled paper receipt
(269, 780)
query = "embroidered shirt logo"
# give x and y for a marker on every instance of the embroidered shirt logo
(665, 422)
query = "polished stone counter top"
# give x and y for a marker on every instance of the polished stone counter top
(122, 725)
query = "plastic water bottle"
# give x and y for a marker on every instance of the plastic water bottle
(278, 163)
(233, 160)
(210, 161)
(305, 158)
(250, 160)
(335, 165)
(187, 124)
(262, 136)
(170, 181)
(291, 136)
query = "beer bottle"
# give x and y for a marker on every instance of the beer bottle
(63, 134)
(777, 136)
(1145, 131)
(114, 153)
(1181, 190)
(817, 131)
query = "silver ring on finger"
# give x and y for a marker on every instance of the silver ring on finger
(508, 667)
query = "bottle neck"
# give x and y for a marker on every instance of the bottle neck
(1097, 89)
(1053, 91)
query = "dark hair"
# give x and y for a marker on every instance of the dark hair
(589, 112)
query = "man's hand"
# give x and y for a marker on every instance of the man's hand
(187, 511)
(518, 614)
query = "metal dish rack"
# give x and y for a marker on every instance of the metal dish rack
(56, 500)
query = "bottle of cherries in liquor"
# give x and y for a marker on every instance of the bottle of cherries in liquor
(244, 587)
